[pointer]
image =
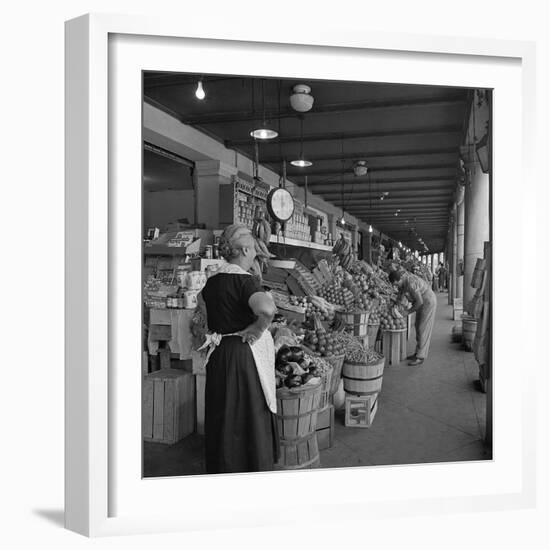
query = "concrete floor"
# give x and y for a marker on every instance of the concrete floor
(431, 413)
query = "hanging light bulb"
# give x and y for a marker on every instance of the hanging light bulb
(343, 221)
(370, 228)
(265, 130)
(199, 92)
(264, 133)
(301, 162)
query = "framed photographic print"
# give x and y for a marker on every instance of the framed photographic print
(350, 330)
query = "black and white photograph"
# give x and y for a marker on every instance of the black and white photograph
(317, 274)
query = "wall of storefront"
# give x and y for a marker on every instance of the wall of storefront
(162, 129)
(163, 207)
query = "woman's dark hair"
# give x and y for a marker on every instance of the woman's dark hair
(395, 276)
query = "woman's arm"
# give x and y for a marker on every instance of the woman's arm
(263, 306)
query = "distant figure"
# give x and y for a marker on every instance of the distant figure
(442, 276)
(424, 303)
(435, 281)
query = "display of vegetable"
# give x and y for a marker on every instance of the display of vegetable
(295, 368)
(355, 351)
(323, 342)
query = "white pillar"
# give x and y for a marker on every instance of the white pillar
(453, 258)
(459, 248)
(476, 224)
(209, 175)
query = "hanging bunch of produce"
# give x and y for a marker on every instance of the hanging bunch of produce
(261, 228)
(343, 251)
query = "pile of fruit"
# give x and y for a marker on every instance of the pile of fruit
(336, 294)
(324, 342)
(362, 303)
(295, 368)
(315, 306)
(392, 320)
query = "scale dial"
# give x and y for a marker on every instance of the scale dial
(280, 204)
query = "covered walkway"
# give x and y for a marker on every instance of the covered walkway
(431, 413)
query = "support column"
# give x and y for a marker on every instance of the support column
(459, 249)
(355, 241)
(476, 226)
(449, 260)
(209, 175)
(367, 247)
(332, 226)
(454, 255)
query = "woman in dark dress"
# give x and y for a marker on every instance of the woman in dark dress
(240, 428)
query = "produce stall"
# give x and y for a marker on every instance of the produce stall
(338, 322)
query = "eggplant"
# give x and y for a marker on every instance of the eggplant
(297, 354)
(293, 381)
(286, 370)
(283, 355)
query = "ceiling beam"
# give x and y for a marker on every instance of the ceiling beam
(424, 221)
(423, 231)
(338, 136)
(352, 194)
(367, 181)
(226, 117)
(387, 168)
(369, 156)
(151, 81)
(380, 206)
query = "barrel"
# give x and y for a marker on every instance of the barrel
(372, 334)
(336, 361)
(469, 328)
(297, 411)
(356, 322)
(363, 378)
(299, 453)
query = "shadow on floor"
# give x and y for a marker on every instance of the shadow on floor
(57, 517)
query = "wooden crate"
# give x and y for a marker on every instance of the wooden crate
(394, 346)
(160, 332)
(168, 410)
(325, 428)
(360, 410)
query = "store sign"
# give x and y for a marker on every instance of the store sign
(182, 238)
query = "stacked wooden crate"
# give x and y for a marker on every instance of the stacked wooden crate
(168, 412)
